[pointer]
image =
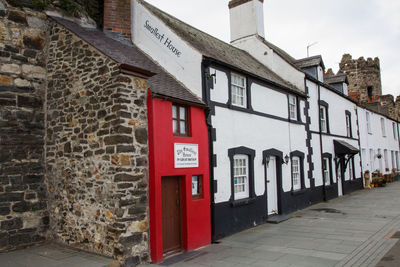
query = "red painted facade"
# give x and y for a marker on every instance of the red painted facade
(195, 213)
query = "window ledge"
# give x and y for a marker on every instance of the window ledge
(239, 108)
(242, 202)
(299, 191)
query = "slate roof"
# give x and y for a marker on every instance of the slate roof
(162, 83)
(310, 62)
(339, 78)
(211, 47)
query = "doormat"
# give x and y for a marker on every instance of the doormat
(182, 257)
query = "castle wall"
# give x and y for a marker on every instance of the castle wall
(362, 74)
(24, 217)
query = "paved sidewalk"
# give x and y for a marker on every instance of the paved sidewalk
(51, 255)
(354, 230)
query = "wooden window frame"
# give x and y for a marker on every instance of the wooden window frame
(368, 120)
(246, 193)
(383, 127)
(349, 130)
(179, 120)
(243, 88)
(250, 153)
(298, 173)
(293, 107)
(199, 187)
(326, 172)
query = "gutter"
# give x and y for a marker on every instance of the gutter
(293, 91)
(132, 70)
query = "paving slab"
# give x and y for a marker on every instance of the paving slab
(346, 231)
(354, 230)
(52, 255)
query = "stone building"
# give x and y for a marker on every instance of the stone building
(73, 137)
(365, 85)
(364, 77)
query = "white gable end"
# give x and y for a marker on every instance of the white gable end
(165, 47)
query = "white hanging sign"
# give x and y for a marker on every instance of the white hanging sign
(186, 155)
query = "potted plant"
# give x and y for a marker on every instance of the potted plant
(367, 177)
(396, 174)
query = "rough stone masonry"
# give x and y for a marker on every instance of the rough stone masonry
(96, 150)
(24, 217)
(73, 142)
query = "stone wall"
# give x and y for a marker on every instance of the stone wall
(97, 162)
(362, 74)
(23, 207)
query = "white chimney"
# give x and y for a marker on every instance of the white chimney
(247, 18)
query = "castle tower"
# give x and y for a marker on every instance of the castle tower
(364, 78)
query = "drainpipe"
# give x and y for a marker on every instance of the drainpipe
(320, 142)
(359, 142)
(206, 99)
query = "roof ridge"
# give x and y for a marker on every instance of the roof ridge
(170, 21)
(167, 72)
(169, 15)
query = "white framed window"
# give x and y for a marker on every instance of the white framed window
(296, 178)
(241, 176)
(394, 131)
(292, 107)
(393, 160)
(323, 119)
(351, 169)
(197, 186)
(379, 155)
(238, 87)
(385, 154)
(383, 127)
(326, 171)
(348, 125)
(368, 118)
(397, 160)
(371, 160)
(364, 156)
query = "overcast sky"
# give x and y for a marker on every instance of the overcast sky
(369, 28)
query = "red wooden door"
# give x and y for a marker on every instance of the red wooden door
(171, 214)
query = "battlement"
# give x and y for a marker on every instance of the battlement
(348, 63)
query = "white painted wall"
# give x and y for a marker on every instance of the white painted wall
(320, 74)
(219, 93)
(337, 125)
(337, 116)
(376, 141)
(259, 50)
(185, 65)
(267, 100)
(247, 19)
(236, 128)
(345, 89)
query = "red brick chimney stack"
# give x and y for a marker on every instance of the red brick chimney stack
(117, 17)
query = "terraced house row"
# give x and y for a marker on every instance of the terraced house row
(149, 137)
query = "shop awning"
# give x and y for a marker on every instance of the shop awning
(343, 148)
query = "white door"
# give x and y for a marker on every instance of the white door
(339, 181)
(272, 196)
